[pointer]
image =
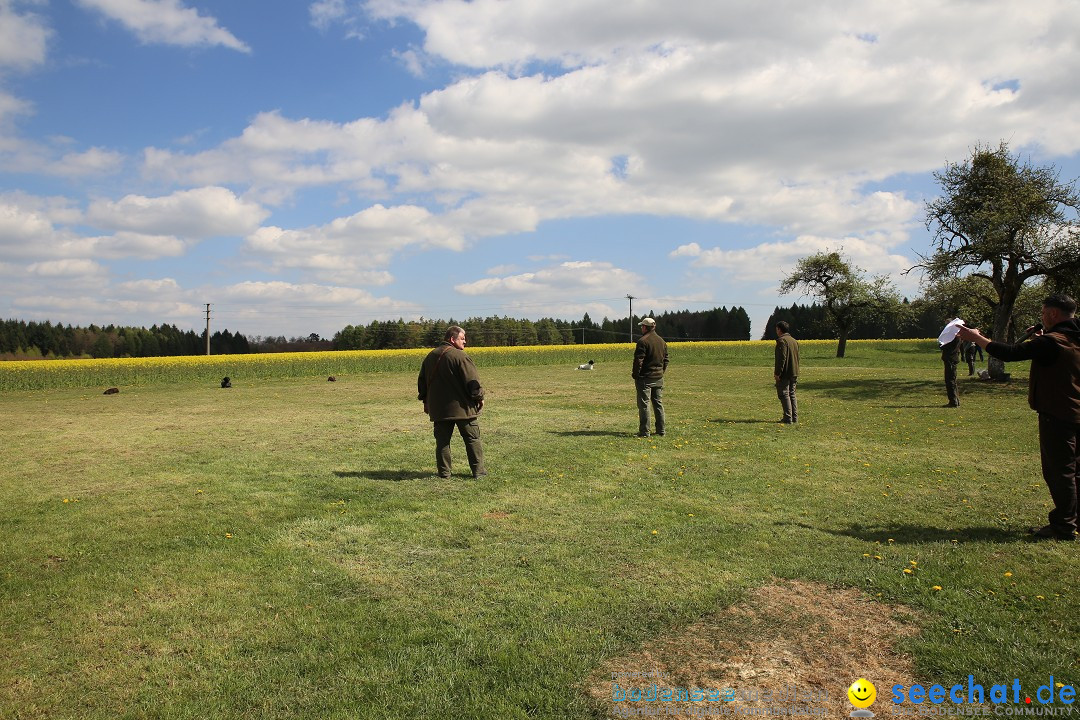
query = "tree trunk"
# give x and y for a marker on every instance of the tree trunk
(842, 345)
(1002, 320)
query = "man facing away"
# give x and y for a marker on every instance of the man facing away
(650, 364)
(449, 387)
(1054, 393)
(950, 358)
(786, 372)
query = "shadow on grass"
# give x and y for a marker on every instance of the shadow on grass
(590, 433)
(391, 475)
(869, 388)
(919, 534)
(744, 421)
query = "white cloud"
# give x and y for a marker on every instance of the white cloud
(67, 268)
(325, 13)
(21, 155)
(35, 228)
(95, 161)
(10, 107)
(166, 21)
(148, 287)
(93, 304)
(767, 262)
(579, 279)
(24, 37)
(254, 305)
(568, 290)
(20, 225)
(137, 245)
(688, 250)
(355, 247)
(199, 213)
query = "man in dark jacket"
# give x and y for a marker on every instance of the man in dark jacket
(650, 364)
(449, 386)
(786, 372)
(1054, 393)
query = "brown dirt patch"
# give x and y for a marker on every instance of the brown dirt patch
(792, 644)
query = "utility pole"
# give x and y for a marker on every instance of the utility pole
(631, 299)
(207, 328)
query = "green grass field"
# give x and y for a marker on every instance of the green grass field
(281, 549)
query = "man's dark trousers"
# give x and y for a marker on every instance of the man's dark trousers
(785, 390)
(1058, 447)
(950, 382)
(650, 392)
(470, 433)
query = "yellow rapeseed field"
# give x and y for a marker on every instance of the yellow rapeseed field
(203, 369)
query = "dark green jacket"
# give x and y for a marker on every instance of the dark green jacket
(449, 385)
(1054, 386)
(950, 351)
(787, 357)
(650, 357)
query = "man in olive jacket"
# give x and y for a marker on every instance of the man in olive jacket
(1054, 393)
(650, 364)
(449, 387)
(786, 372)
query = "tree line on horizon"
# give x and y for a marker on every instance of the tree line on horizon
(38, 340)
(715, 324)
(21, 340)
(913, 320)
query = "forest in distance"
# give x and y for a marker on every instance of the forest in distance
(22, 340)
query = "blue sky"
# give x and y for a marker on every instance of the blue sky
(304, 166)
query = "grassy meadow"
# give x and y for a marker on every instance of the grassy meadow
(281, 549)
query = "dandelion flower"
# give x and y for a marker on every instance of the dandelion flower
(228, 535)
(1008, 574)
(655, 532)
(907, 571)
(936, 587)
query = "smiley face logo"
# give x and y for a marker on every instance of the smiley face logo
(862, 693)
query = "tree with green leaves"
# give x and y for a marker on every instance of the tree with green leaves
(1006, 221)
(843, 290)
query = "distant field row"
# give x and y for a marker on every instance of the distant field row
(120, 372)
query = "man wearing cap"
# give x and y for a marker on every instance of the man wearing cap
(650, 364)
(449, 387)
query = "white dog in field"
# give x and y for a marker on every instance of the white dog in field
(586, 366)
